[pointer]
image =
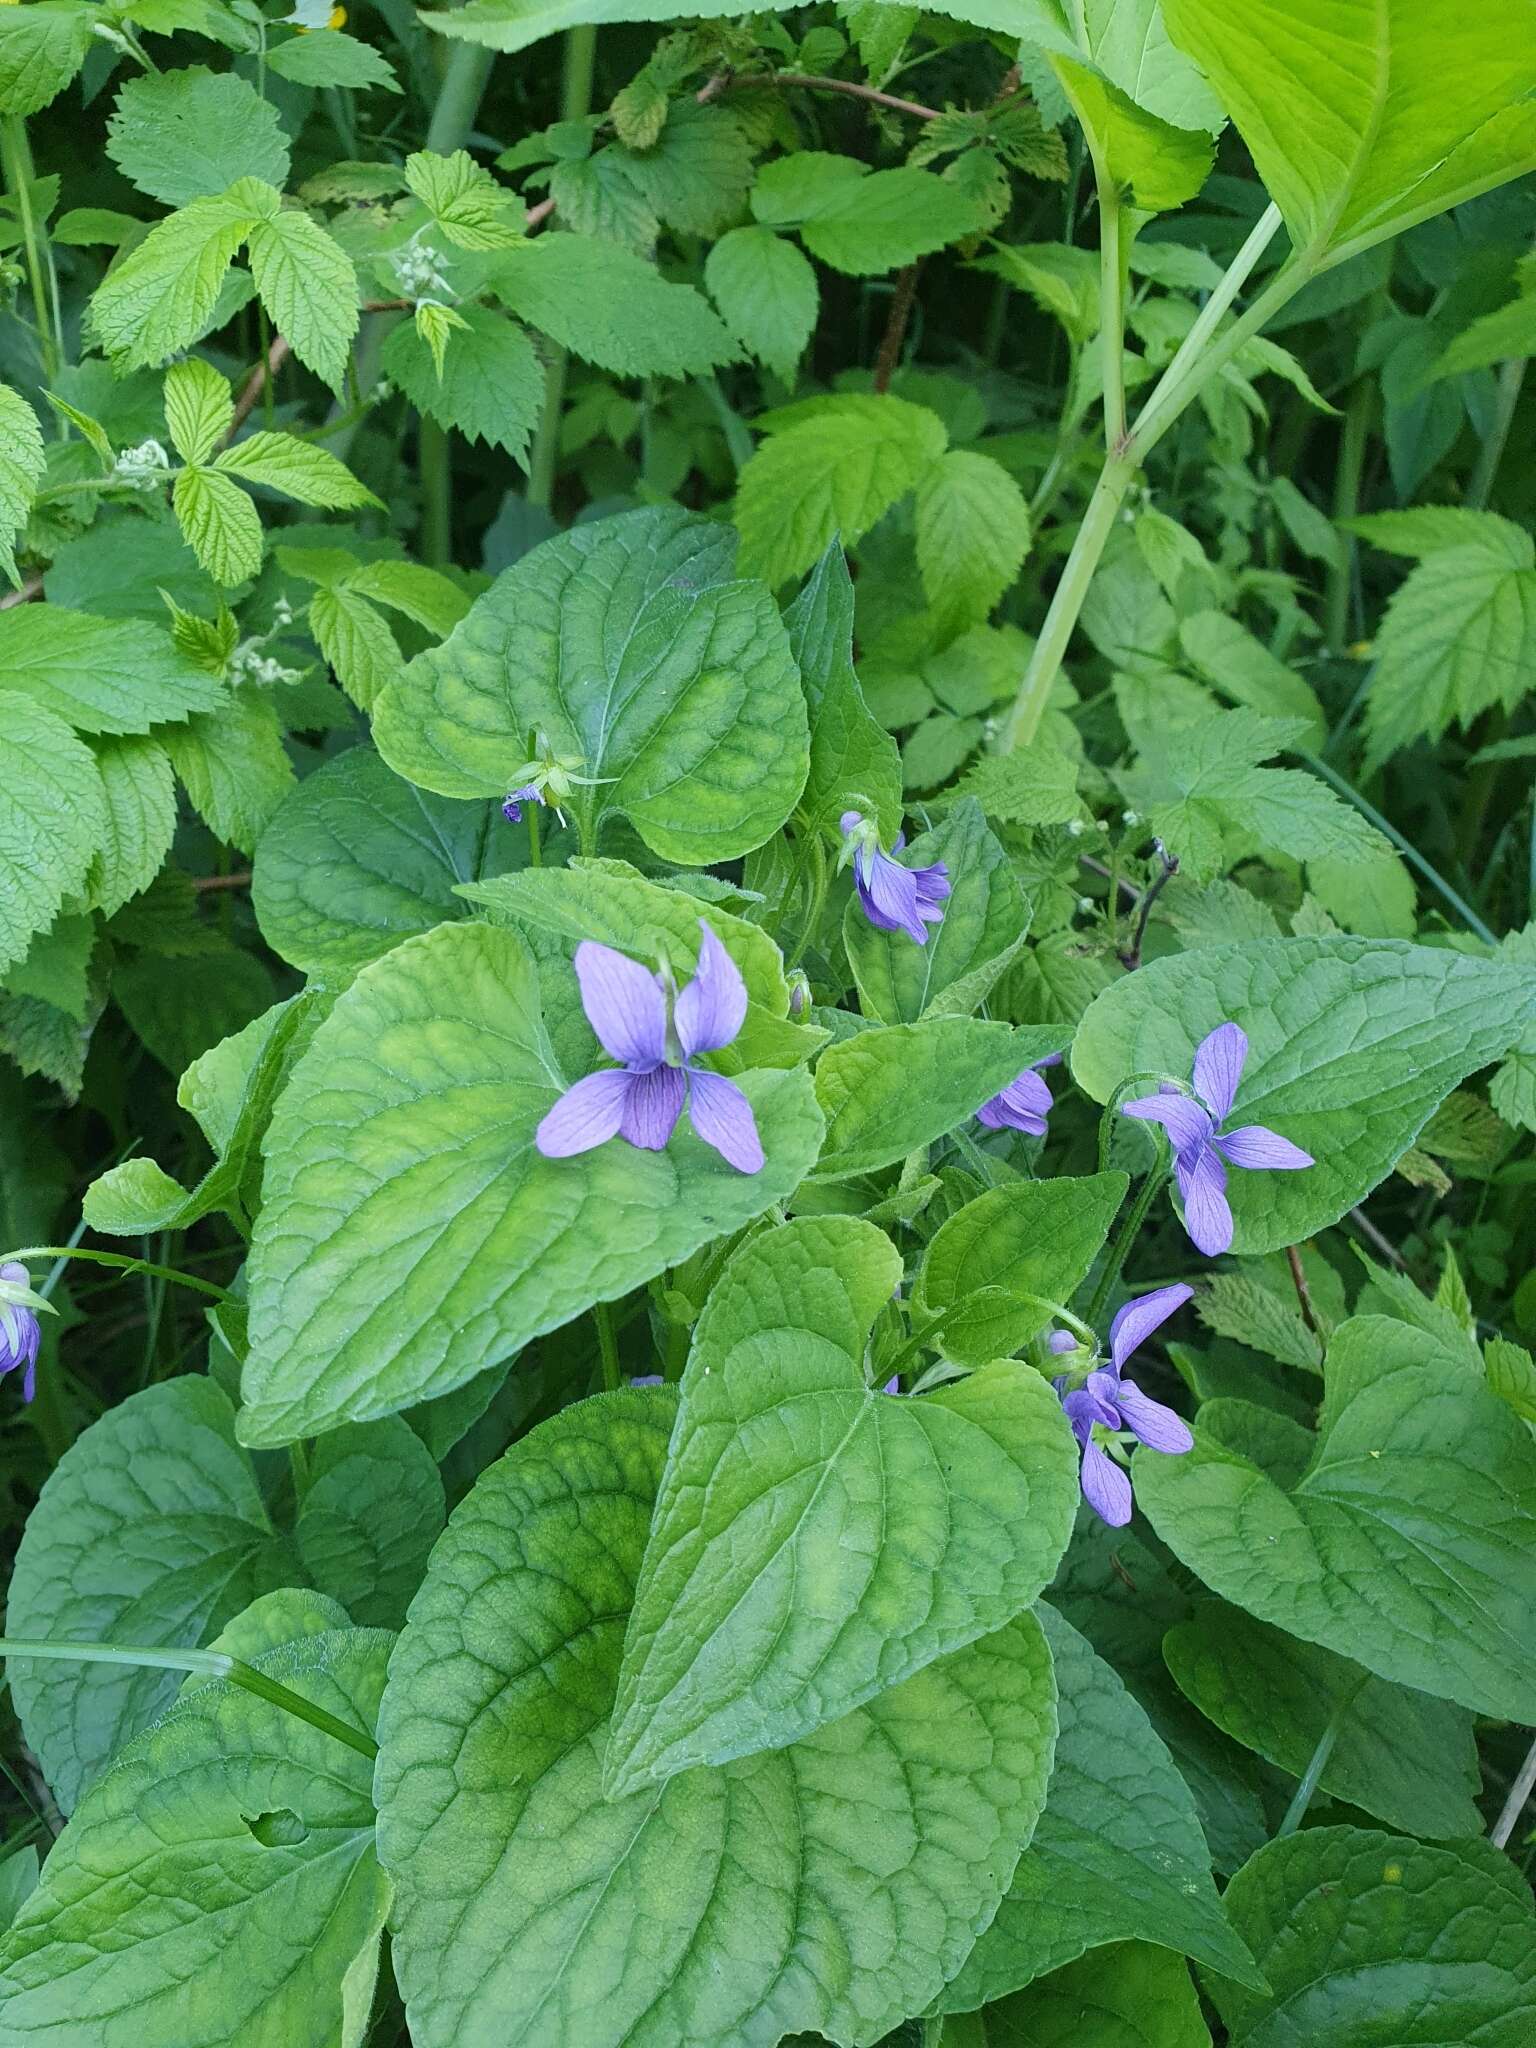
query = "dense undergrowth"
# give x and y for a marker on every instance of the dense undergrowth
(768, 1007)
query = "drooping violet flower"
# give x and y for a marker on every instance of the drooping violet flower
(1024, 1104)
(20, 1331)
(512, 806)
(894, 898)
(1202, 1151)
(642, 1099)
(1105, 1399)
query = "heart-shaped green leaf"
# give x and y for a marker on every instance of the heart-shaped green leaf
(411, 1235)
(1408, 1544)
(1365, 116)
(356, 859)
(1368, 1938)
(1353, 1044)
(1030, 1238)
(1118, 1852)
(220, 1882)
(627, 647)
(1401, 1755)
(815, 1540)
(151, 1529)
(831, 1886)
(984, 921)
(886, 1092)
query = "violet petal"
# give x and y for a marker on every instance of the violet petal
(624, 1004)
(1254, 1145)
(1151, 1422)
(1106, 1488)
(653, 1103)
(1207, 1215)
(1219, 1061)
(588, 1114)
(713, 1007)
(1187, 1124)
(722, 1117)
(1135, 1322)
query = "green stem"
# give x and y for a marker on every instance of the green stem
(1511, 383)
(207, 1664)
(16, 158)
(458, 102)
(436, 493)
(1130, 1230)
(119, 1259)
(535, 854)
(1318, 1762)
(1203, 354)
(1354, 437)
(1027, 709)
(577, 64)
(608, 1347)
(1405, 847)
(1112, 256)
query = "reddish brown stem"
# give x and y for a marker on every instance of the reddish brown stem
(849, 87)
(1303, 1291)
(242, 880)
(902, 298)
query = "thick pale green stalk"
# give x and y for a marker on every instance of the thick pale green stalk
(1112, 257)
(1201, 356)
(207, 1664)
(16, 156)
(1346, 503)
(1511, 382)
(464, 81)
(575, 101)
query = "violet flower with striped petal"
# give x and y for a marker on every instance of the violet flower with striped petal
(642, 1099)
(1107, 1400)
(894, 898)
(1202, 1151)
(20, 1331)
(1024, 1104)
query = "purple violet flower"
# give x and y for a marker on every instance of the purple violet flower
(1106, 1399)
(642, 1099)
(20, 1332)
(1024, 1104)
(512, 806)
(894, 898)
(1200, 1146)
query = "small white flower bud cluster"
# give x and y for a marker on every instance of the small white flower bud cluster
(249, 665)
(144, 467)
(416, 268)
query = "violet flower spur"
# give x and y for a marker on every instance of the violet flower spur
(1106, 1400)
(1024, 1104)
(641, 1099)
(20, 1332)
(894, 898)
(1202, 1151)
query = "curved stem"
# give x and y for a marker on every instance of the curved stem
(207, 1664)
(1130, 1230)
(121, 1260)
(1491, 454)
(850, 88)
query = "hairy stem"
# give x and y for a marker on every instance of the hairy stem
(902, 299)
(1130, 1230)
